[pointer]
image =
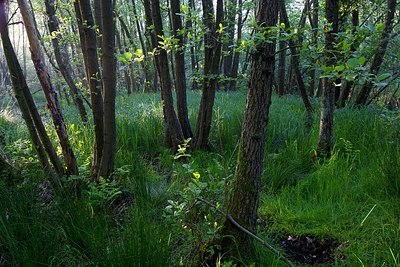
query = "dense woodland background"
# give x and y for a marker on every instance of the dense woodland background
(199, 133)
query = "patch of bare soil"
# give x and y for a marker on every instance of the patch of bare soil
(311, 250)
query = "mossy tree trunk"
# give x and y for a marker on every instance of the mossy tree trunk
(243, 204)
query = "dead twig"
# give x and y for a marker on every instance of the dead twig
(241, 228)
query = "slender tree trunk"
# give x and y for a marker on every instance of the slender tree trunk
(193, 58)
(325, 140)
(281, 63)
(244, 200)
(50, 93)
(109, 74)
(180, 74)
(236, 56)
(296, 67)
(363, 95)
(62, 58)
(348, 85)
(174, 133)
(314, 41)
(212, 55)
(21, 91)
(228, 47)
(146, 63)
(89, 50)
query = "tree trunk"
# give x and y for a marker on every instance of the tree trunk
(109, 78)
(348, 85)
(50, 93)
(281, 63)
(325, 139)
(244, 200)
(193, 50)
(236, 56)
(314, 41)
(174, 133)
(89, 50)
(62, 58)
(363, 95)
(180, 74)
(296, 67)
(31, 118)
(228, 46)
(212, 55)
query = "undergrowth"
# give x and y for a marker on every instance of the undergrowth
(149, 214)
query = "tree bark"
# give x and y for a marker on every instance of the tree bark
(244, 200)
(180, 73)
(62, 58)
(174, 133)
(48, 89)
(296, 67)
(89, 50)
(325, 139)
(236, 56)
(363, 95)
(28, 107)
(281, 63)
(212, 55)
(109, 78)
(314, 41)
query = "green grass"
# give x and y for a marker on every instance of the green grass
(352, 197)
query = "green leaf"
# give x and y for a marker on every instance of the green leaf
(185, 9)
(362, 60)
(383, 76)
(353, 63)
(340, 68)
(128, 56)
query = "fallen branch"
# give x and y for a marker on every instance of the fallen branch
(241, 228)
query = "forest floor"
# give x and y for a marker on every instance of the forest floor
(344, 211)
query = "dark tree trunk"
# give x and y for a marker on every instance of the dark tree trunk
(325, 139)
(146, 63)
(281, 63)
(89, 50)
(296, 67)
(62, 58)
(109, 78)
(180, 73)
(212, 55)
(244, 200)
(363, 95)
(48, 89)
(314, 41)
(193, 51)
(174, 133)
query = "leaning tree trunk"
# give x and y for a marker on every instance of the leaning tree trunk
(325, 139)
(27, 107)
(362, 97)
(212, 55)
(244, 200)
(109, 74)
(92, 68)
(180, 74)
(174, 133)
(48, 89)
(228, 47)
(296, 67)
(62, 58)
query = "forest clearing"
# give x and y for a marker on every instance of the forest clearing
(210, 133)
